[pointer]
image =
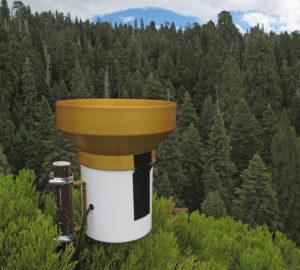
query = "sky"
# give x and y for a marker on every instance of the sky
(276, 15)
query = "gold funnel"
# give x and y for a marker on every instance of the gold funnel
(109, 132)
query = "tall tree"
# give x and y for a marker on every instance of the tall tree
(229, 32)
(261, 80)
(285, 155)
(207, 118)
(256, 202)
(245, 134)
(192, 163)
(269, 122)
(213, 205)
(217, 162)
(230, 89)
(187, 114)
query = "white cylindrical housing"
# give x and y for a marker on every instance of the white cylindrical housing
(112, 194)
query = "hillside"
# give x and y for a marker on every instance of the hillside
(234, 155)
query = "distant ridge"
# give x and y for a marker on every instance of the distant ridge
(158, 15)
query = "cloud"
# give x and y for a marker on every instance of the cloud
(242, 30)
(254, 18)
(286, 12)
(127, 19)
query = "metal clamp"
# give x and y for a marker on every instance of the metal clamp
(61, 181)
(66, 238)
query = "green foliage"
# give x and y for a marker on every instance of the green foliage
(245, 133)
(256, 202)
(213, 205)
(217, 162)
(269, 121)
(4, 167)
(26, 234)
(261, 79)
(285, 154)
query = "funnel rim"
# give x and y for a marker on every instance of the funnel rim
(145, 103)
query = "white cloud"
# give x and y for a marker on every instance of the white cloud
(127, 19)
(240, 29)
(254, 18)
(287, 11)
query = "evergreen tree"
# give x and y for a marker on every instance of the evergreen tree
(4, 166)
(153, 88)
(285, 156)
(217, 162)
(29, 92)
(169, 160)
(192, 162)
(164, 187)
(256, 202)
(186, 114)
(230, 89)
(207, 118)
(269, 121)
(180, 94)
(213, 205)
(210, 73)
(261, 80)
(229, 32)
(245, 133)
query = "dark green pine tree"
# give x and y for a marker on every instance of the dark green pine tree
(245, 135)
(229, 32)
(180, 94)
(256, 202)
(41, 132)
(166, 68)
(207, 118)
(294, 113)
(77, 84)
(285, 156)
(29, 93)
(163, 185)
(186, 114)
(213, 205)
(269, 122)
(262, 83)
(192, 164)
(169, 160)
(153, 88)
(230, 90)
(294, 110)
(211, 69)
(4, 166)
(217, 162)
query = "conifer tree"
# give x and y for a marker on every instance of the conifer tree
(210, 74)
(217, 162)
(186, 114)
(29, 91)
(269, 121)
(285, 156)
(245, 133)
(153, 88)
(180, 94)
(256, 202)
(192, 163)
(230, 88)
(207, 118)
(261, 80)
(164, 187)
(213, 205)
(169, 160)
(4, 166)
(229, 32)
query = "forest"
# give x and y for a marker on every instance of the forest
(233, 159)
